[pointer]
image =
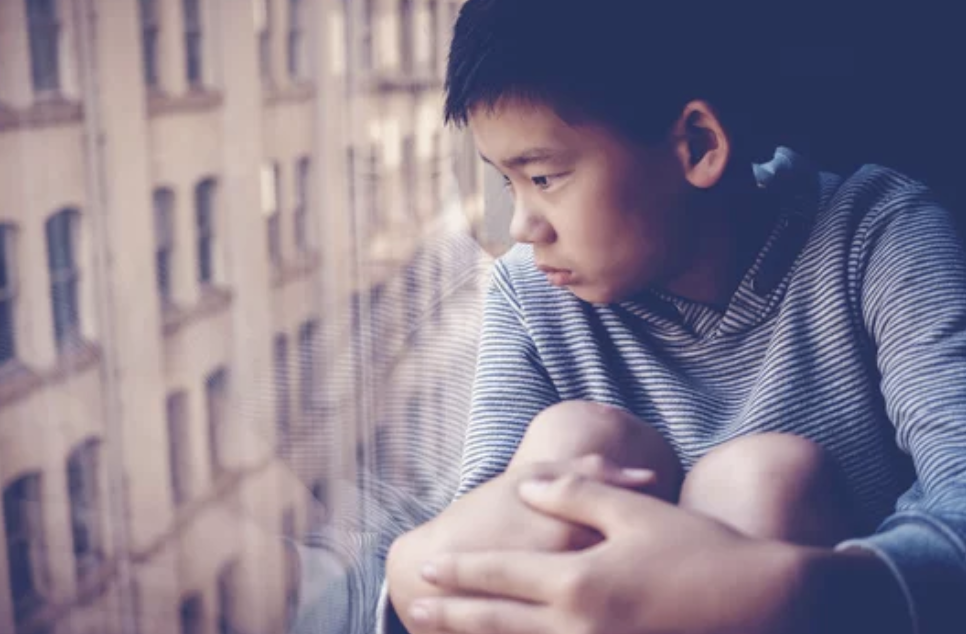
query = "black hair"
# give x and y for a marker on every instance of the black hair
(629, 64)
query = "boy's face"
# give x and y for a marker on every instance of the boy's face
(606, 218)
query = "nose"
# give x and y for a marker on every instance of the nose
(528, 226)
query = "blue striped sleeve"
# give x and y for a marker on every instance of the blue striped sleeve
(912, 288)
(510, 388)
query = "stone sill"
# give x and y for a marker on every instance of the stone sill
(18, 381)
(52, 111)
(195, 100)
(292, 93)
(214, 300)
(300, 267)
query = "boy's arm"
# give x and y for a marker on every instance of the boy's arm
(510, 388)
(912, 288)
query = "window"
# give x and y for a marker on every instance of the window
(193, 43)
(216, 401)
(26, 550)
(351, 177)
(283, 396)
(296, 39)
(406, 40)
(271, 204)
(303, 184)
(375, 191)
(179, 447)
(164, 241)
(291, 565)
(149, 41)
(263, 26)
(410, 175)
(83, 486)
(8, 293)
(43, 28)
(228, 598)
(205, 220)
(308, 364)
(192, 614)
(434, 36)
(62, 265)
(368, 54)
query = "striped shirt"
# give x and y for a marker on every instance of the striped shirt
(849, 329)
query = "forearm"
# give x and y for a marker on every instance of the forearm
(843, 593)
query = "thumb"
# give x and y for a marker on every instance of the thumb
(581, 500)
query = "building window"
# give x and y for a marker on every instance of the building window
(303, 184)
(194, 69)
(64, 276)
(83, 486)
(228, 598)
(410, 178)
(434, 36)
(193, 614)
(296, 39)
(368, 53)
(375, 191)
(353, 192)
(283, 396)
(8, 293)
(271, 205)
(216, 402)
(26, 549)
(263, 26)
(205, 221)
(291, 565)
(308, 364)
(163, 200)
(179, 447)
(43, 28)
(149, 42)
(406, 36)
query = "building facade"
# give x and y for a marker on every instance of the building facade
(203, 206)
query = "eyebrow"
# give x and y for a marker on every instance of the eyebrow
(528, 157)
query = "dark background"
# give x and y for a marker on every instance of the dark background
(876, 83)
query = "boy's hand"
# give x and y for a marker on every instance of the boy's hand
(494, 517)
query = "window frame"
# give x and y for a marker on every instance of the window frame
(85, 494)
(43, 35)
(206, 201)
(65, 277)
(193, 31)
(8, 292)
(29, 538)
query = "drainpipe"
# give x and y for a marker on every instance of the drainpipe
(85, 22)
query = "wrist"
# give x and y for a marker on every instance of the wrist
(842, 592)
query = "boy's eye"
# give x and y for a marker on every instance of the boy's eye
(506, 183)
(542, 182)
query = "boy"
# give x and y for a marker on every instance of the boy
(783, 354)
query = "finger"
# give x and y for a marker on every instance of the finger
(522, 576)
(600, 468)
(581, 500)
(459, 615)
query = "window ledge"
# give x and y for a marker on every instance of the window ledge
(298, 268)
(195, 100)
(389, 81)
(48, 112)
(214, 299)
(301, 91)
(17, 381)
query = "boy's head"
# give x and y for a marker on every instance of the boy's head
(610, 121)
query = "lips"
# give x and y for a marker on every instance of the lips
(557, 277)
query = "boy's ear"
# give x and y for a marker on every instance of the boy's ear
(701, 144)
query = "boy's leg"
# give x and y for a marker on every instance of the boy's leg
(573, 429)
(773, 486)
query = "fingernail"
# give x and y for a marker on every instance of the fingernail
(534, 487)
(419, 612)
(430, 573)
(638, 474)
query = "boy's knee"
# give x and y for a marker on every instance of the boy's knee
(772, 486)
(573, 429)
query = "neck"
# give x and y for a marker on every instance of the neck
(733, 227)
